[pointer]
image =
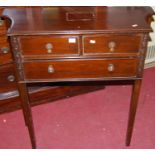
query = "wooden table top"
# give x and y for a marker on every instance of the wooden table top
(78, 20)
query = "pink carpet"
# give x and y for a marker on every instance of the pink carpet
(94, 120)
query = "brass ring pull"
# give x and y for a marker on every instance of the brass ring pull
(111, 68)
(4, 50)
(11, 78)
(49, 47)
(111, 46)
(51, 69)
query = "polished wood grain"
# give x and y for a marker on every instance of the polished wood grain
(40, 94)
(5, 52)
(3, 28)
(27, 112)
(111, 45)
(43, 94)
(133, 108)
(100, 44)
(4, 41)
(54, 20)
(5, 58)
(65, 70)
(58, 45)
(7, 78)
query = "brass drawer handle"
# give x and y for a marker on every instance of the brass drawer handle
(1, 22)
(111, 68)
(4, 50)
(49, 47)
(11, 78)
(111, 46)
(51, 69)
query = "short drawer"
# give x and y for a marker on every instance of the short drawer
(2, 26)
(49, 45)
(5, 54)
(80, 69)
(102, 44)
(7, 78)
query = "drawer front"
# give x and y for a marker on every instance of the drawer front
(49, 45)
(2, 26)
(7, 78)
(102, 44)
(80, 69)
(5, 54)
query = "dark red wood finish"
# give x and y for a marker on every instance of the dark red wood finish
(3, 28)
(38, 94)
(111, 45)
(59, 45)
(123, 44)
(80, 69)
(7, 78)
(42, 94)
(5, 52)
(106, 20)
(132, 111)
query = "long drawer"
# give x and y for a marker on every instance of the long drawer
(7, 78)
(70, 69)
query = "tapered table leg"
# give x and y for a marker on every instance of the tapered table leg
(27, 112)
(132, 111)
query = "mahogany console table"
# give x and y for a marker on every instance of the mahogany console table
(71, 44)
